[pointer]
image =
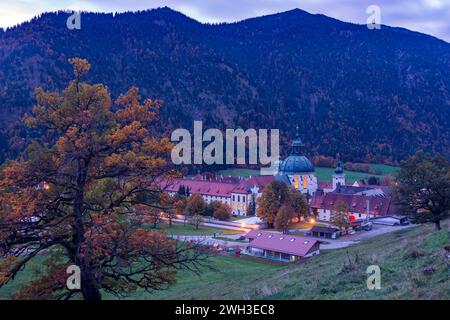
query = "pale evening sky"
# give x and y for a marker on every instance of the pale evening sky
(427, 16)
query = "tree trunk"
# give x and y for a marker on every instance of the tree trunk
(438, 225)
(89, 285)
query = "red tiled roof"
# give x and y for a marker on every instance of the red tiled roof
(278, 242)
(325, 185)
(217, 186)
(259, 181)
(378, 205)
(211, 188)
(323, 229)
(217, 178)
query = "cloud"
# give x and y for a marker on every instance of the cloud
(427, 16)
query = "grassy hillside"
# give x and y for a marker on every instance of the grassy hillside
(323, 174)
(335, 274)
(384, 168)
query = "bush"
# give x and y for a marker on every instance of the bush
(413, 253)
(212, 207)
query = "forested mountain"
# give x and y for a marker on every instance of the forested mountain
(370, 95)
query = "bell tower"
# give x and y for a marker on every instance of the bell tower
(338, 176)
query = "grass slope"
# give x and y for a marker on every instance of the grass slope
(402, 257)
(335, 274)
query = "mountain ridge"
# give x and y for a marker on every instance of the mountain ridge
(336, 80)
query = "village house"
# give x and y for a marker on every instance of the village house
(281, 247)
(324, 232)
(361, 202)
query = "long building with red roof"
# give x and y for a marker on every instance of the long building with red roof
(238, 193)
(361, 202)
(283, 247)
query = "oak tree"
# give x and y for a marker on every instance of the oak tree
(196, 205)
(298, 202)
(422, 188)
(283, 218)
(222, 212)
(76, 190)
(340, 216)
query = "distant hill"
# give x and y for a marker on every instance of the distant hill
(370, 95)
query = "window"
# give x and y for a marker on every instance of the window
(259, 234)
(234, 197)
(281, 238)
(239, 199)
(270, 236)
(305, 242)
(292, 240)
(285, 256)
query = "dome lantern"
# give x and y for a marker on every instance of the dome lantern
(296, 162)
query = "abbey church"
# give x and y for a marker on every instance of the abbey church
(296, 170)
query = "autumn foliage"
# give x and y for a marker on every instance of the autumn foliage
(277, 195)
(77, 192)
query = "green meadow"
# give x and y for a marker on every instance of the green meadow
(323, 174)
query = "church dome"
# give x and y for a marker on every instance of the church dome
(339, 168)
(296, 162)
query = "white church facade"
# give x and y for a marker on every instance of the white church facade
(298, 171)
